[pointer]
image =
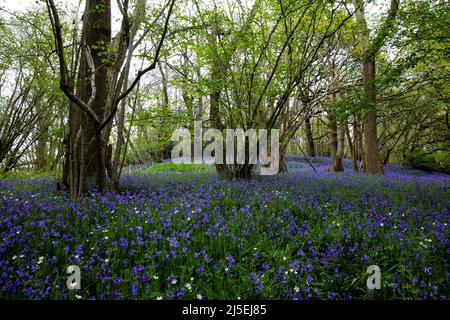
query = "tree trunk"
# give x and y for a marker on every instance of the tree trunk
(116, 168)
(338, 165)
(310, 148)
(372, 161)
(370, 48)
(351, 146)
(282, 166)
(336, 145)
(41, 148)
(86, 153)
(98, 37)
(358, 146)
(214, 108)
(333, 141)
(236, 171)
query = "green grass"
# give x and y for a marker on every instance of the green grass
(24, 175)
(181, 167)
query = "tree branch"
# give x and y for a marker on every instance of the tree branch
(65, 85)
(141, 72)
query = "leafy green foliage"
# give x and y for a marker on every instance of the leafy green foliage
(182, 167)
(430, 162)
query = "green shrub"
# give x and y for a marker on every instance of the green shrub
(429, 162)
(178, 167)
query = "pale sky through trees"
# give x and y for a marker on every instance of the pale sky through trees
(374, 11)
(376, 7)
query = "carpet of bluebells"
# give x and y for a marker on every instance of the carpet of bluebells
(190, 235)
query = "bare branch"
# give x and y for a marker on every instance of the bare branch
(65, 85)
(141, 72)
(90, 62)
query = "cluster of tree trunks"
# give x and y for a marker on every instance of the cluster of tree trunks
(337, 141)
(86, 147)
(101, 85)
(98, 86)
(370, 49)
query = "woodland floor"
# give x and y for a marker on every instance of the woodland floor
(183, 233)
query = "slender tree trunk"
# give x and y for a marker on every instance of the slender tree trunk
(41, 148)
(338, 165)
(358, 146)
(310, 148)
(138, 15)
(214, 106)
(333, 141)
(336, 145)
(351, 147)
(282, 166)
